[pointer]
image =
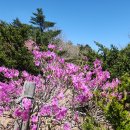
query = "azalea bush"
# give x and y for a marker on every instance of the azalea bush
(61, 88)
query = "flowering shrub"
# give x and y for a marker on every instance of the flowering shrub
(61, 89)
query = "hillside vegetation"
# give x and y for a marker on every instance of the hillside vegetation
(15, 53)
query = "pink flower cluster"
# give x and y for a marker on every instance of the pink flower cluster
(59, 91)
(9, 73)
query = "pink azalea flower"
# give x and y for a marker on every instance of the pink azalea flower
(26, 103)
(61, 114)
(34, 119)
(34, 127)
(25, 74)
(76, 116)
(66, 126)
(37, 63)
(45, 110)
(60, 95)
(51, 46)
(18, 112)
(25, 115)
(54, 102)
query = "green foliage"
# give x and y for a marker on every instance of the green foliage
(116, 114)
(89, 124)
(116, 61)
(12, 33)
(125, 83)
(124, 88)
(19, 58)
(88, 52)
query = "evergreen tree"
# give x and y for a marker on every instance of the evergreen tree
(17, 23)
(39, 19)
(47, 33)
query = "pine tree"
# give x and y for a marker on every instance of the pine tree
(39, 19)
(47, 33)
(17, 23)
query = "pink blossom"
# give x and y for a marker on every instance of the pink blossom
(67, 126)
(86, 67)
(25, 74)
(37, 63)
(30, 44)
(60, 49)
(16, 73)
(61, 114)
(59, 81)
(34, 127)
(88, 76)
(54, 102)
(18, 112)
(37, 54)
(76, 116)
(71, 68)
(26, 103)
(60, 96)
(120, 96)
(97, 63)
(103, 94)
(25, 115)
(3, 69)
(51, 46)
(45, 110)
(34, 119)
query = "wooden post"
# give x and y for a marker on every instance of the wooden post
(28, 92)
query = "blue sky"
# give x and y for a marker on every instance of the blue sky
(81, 21)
